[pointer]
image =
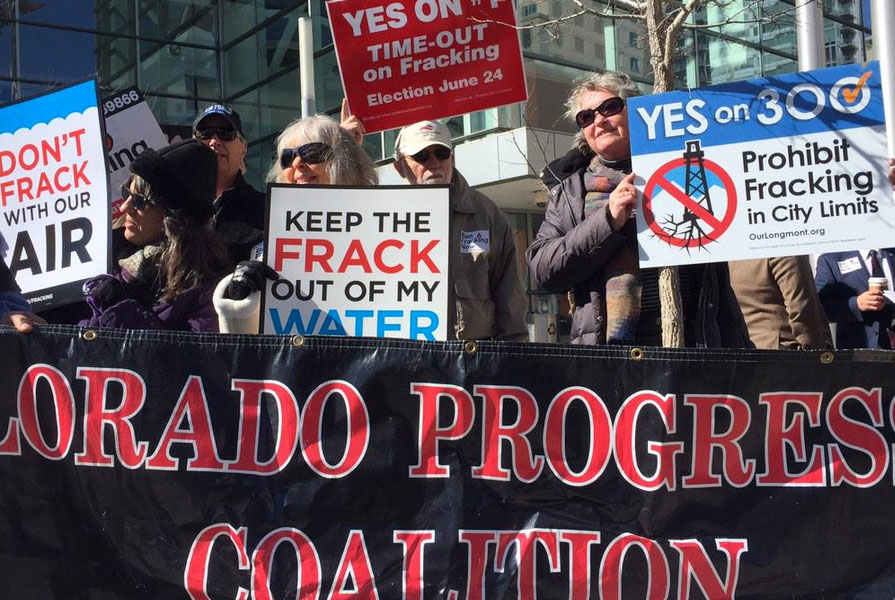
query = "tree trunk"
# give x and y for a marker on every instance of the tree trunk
(672, 312)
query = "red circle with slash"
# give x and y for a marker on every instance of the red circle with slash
(718, 226)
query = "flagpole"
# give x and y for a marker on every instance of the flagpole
(884, 46)
(810, 36)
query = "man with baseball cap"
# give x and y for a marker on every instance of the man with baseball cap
(238, 207)
(484, 278)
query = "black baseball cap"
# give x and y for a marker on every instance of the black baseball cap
(219, 109)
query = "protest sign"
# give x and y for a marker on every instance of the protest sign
(404, 61)
(172, 465)
(779, 166)
(131, 129)
(54, 193)
(358, 261)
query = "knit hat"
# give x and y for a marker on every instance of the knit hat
(419, 136)
(183, 176)
(229, 114)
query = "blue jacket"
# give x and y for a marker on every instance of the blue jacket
(839, 295)
(11, 300)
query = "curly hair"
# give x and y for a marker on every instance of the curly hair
(612, 81)
(350, 164)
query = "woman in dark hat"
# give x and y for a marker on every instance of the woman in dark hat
(167, 282)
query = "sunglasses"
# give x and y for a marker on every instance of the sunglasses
(313, 154)
(441, 153)
(223, 134)
(607, 108)
(138, 201)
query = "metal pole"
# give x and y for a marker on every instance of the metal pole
(810, 33)
(883, 42)
(306, 66)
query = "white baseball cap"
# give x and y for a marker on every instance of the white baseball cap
(419, 136)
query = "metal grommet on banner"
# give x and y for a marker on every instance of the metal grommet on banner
(298, 340)
(826, 358)
(90, 335)
(471, 347)
(636, 353)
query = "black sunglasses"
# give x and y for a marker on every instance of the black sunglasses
(607, 108)
(440, 152)
(223, 133)
(139, 201)
(313, 154)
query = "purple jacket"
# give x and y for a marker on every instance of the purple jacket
(126, 300)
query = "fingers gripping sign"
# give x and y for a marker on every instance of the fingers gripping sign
(351, 124)
(622, 202)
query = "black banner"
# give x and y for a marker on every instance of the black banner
(164, 465)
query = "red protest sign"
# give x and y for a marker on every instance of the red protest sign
(404, 61)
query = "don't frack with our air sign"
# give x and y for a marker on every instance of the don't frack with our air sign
(767, 167)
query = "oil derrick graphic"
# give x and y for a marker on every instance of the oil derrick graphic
(689, 227)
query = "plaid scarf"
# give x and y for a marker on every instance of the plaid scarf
(621, 273)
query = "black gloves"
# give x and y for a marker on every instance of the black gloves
(103, 292)
(249, 277)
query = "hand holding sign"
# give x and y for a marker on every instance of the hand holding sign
(622, 201)
(351, 124)
(403, 61)
(249, 277)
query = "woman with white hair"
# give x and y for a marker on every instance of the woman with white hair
(587, 244)
(316, 150)
(310, 151)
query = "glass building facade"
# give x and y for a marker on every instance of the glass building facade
(186, 54)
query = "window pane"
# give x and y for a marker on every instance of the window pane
(175, 115)
(329, 84)
(271, 50)
(117, 62)
(193, 21)
(5, 92)
(721, 60)
(179, 70)
(278, 103)
(39, 50)
(5, 50)
(103, 15)
(258, 159)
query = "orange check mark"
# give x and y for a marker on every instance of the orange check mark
(851, 95)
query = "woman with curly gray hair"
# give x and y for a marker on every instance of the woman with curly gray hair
(316, 150)
(587, 244)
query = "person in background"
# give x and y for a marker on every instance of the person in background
(167, 283)
(780, 304)
(314, 150)
(484, 278)
(14, 309)
(238, 207)
(863, 316)
(587, 243)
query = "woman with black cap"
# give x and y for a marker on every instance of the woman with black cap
(167, 282)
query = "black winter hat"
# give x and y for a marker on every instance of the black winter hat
(183, 176)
